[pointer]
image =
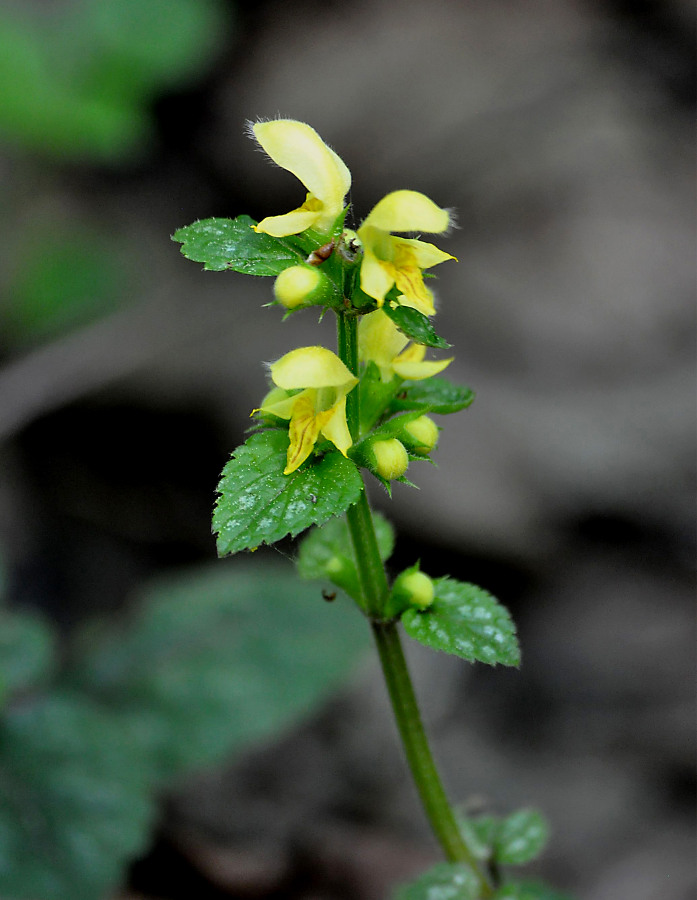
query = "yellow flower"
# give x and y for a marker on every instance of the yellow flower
(380, 341)
(298, 148)
(390, 260)
(319, 408)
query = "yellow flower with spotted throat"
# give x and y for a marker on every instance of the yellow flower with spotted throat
(380, 341)
(390, 260)
(298, 148)
(319, 407)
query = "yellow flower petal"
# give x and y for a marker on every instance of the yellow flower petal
(408, 211)
(376, 278)
(334, 426)
(416, 371)
(415, 353)
(281, 408)
(311, 367)
(422, 253)
(410, 282)
(291, 223)
(303, 432)
(379, 339)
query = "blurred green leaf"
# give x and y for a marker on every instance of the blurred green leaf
(445, 881)
(327, 553)
(479, 834)
(143, 45)
(528, 890)
(258, 504)
(511, 841)
(332, 539)
(521, 837)
(74, 801)
(233, 244)
(219, 658)
(78, 83)
(62, 280)
(26, 652)
(467, 621)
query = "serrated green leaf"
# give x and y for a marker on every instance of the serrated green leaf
(521, 837)
(467, 621)
(74, 801)
(26, 651)
(511, 841)
(445, 881)
(220, 657)
(436, 395)
(415, 325)
(258, 504)
(528, 890)
(479, 834)
(233, 244)
(327, 553)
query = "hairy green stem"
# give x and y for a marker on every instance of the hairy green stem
(371, 572)
(417, 750)
(375, 588)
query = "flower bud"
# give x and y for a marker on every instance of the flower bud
(341, 571)
(421, 435)
(418, 587)
(412, 589)
(390, 458)
(299, 286)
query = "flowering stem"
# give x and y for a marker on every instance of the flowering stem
(371, 572)
(347, 340)
(418, 752)
(373, 580)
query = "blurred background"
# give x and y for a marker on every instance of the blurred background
(561, 133)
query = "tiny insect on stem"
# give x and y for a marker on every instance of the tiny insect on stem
(318, 256)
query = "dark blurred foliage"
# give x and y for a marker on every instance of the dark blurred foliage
(560, 131)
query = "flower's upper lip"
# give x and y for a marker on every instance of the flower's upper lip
(298, 148)
(311, 367)
(407, 211)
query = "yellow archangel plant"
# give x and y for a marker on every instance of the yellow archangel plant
(342, 418)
